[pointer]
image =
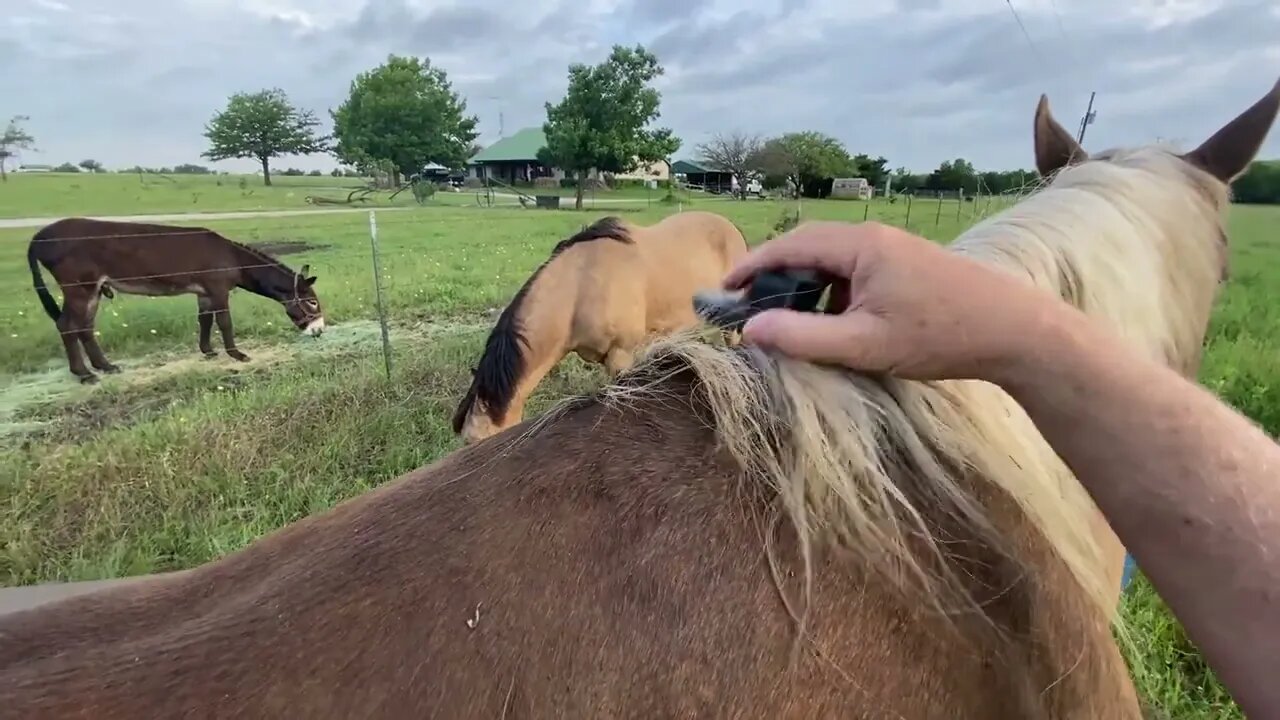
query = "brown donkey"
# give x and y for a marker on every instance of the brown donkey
(601, 294)
(723, 533)
(89, 258)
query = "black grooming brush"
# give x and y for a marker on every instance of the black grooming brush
(790, 289)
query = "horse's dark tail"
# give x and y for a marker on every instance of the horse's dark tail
(42, 290)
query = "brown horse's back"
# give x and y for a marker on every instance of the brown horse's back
(610, 565)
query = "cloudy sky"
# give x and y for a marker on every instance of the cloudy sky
(918, 81)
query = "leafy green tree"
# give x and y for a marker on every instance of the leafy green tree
(957, 174)
(602, 122)
(262, 125)
(92, 166)
(807, 160)
(15, 138)
(874, 170)
(1260, 184)
(404, 112)
(66, 168)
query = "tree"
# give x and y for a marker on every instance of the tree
(953, 175)
(905, 181)
(262, 125)
(875, 171)
(406, 113)
(807, 160)
(1259, 184)
(736, 153)
(92, 166)
(602, 122)
(66, 168)
(15, 138)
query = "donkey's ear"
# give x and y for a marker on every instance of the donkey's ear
(1229, 151)
(310, 281)
(305, 269)
(1055, 148)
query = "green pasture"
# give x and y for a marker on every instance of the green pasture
(179, 459)
(57, 194)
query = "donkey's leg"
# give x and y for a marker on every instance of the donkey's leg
(204, 316)
(96, 356)
(90, 341)
(69, 325)
(222, 313)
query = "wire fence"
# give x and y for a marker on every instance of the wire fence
(440, 272)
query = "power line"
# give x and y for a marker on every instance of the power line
(1034, 48)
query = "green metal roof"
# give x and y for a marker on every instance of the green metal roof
(523, 146)
(694, 166)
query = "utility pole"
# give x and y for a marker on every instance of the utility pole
(1087, 120)
(501, 119)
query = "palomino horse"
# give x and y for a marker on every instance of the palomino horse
(89, 258)
(599, 299)
(721, 533)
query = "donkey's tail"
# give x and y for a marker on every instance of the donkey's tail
(42, 290)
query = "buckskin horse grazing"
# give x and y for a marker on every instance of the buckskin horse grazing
(601, 294)
(721, 533)
(90, 258)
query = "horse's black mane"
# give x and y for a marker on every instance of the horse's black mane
(502, 363)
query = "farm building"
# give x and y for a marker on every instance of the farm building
(702, 174)
(857, 188)
(514, 159)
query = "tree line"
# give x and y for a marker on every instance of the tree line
(405, 113)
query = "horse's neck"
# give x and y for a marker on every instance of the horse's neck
(546, 319)
(261, 276)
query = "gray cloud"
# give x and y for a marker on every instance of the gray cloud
(918, 81)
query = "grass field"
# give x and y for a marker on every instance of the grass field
(55, 194)
(180, 460)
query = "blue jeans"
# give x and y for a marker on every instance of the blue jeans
(1129, 567)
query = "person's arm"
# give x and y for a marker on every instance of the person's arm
(1191, 487)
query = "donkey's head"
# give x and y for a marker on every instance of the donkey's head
(302, 304)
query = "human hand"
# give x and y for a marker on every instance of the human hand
(899, 304)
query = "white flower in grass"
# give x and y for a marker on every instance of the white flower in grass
(124, 324)
(153, 331)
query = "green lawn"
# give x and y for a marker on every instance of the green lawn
(57, 194)
(179, 459)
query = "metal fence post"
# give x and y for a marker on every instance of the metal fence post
(377, 287)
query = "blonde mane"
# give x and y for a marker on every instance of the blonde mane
(886, 467)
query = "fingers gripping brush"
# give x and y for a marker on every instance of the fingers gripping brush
(798, 290)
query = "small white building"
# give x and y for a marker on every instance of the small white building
(857, 188)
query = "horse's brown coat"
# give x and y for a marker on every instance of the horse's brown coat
(612, 581)
(91, 257)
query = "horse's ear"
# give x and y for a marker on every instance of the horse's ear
(310, 281)
(1229, 151)
(1055, 148)
(305, 269)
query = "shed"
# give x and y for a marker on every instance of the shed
(704, 174)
